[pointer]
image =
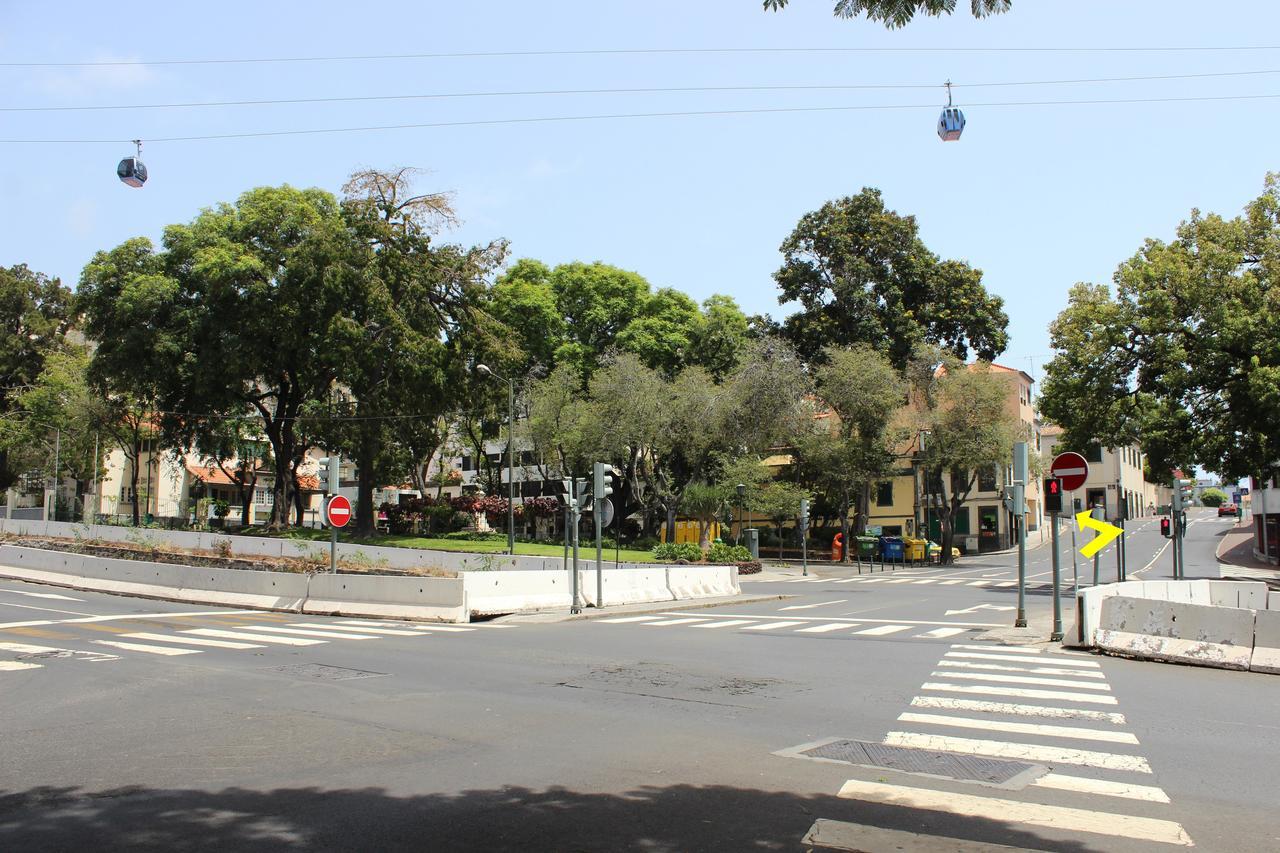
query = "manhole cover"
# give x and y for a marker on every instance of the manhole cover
(927, 762)
(324, 672)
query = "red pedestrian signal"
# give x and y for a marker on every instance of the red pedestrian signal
(1165, 526)
(1052, 494)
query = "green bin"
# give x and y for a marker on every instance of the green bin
(866, 547)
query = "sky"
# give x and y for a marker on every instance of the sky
(1036, 196)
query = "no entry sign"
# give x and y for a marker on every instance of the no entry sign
(337, 511)
(1071, 468)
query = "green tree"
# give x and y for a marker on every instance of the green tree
(1213, 497)
(1184, 354)
(524, 301)
(898, 13)
(720, 339)
(235, 316)
(862, 275)
(965, 410)
(842, 456)
(597, 302)
(411, 298)
(664, 332)
(779, 501)
(35, 314)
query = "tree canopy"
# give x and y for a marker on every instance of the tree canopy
(1184, 353)
(898, 13)
(862, 275)
(35, 314)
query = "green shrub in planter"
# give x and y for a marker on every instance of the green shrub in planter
(670, 552)
(724, 553)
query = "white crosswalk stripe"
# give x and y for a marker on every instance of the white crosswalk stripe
(1015, 709)
(1019, 679)
(883, 630)
(16, 665)
(253, 638)
(168, 651)
(1057, 660)
(1016, 812)
(770, 626)
(823, 629)
(727, 623)
(942, 633)
(1020, 692)
(1035, 670)
(309, 632)
(1107, 735)
(191, 641)
(361, 629)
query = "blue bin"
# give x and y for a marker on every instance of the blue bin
(891, 548)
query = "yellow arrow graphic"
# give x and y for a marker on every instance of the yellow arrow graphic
(1106, 532)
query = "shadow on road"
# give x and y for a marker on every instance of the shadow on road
(651, 819)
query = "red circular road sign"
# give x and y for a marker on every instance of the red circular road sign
(337, 511)
(1071, 468)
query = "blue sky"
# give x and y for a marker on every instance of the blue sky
(1038, 197)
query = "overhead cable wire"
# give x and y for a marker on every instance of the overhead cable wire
(657, 51)
(833, 87)
(608, 116)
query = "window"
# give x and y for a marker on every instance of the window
(466, 464)
(1093, 453)
(959, 482)
(262, 496)
(884, 493)
(987, 480)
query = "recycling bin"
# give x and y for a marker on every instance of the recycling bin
(916, 549)
(891, 549)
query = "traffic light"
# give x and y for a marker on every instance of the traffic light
(1052, 494)
(804, 513)
(602, 486)
(328, 472)
(1166, 528)
(1181, 494)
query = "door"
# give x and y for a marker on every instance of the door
(988, 528)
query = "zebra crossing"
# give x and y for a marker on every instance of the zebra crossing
(1051, 709)
(806, 625)
(176, 639)
(899, 580)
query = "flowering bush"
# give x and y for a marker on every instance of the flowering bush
(542, 507)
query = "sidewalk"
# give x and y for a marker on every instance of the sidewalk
(1236, 549)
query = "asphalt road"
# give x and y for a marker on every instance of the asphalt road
(141, 725)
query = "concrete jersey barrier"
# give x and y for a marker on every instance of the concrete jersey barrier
(1266, 640)
(1176, 631)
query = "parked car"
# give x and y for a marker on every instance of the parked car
(1226, 509)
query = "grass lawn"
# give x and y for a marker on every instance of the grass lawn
(482, 546)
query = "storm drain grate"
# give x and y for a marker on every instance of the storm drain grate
(904, 759)
(324, 672)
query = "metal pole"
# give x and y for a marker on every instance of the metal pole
(333, 550)
(599, 508)
(1057, 585)
(804, 553)
(1021, 620)
(511, 467)
(1075, 572)
(57, 452)
(577, 512)
(97, 504)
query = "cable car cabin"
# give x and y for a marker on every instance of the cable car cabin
(950, 124)
(132, 171)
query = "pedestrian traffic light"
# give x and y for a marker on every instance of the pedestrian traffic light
(804, 513)
(1052, 494)
(602, 485)
(328, 468)
(1166, 528)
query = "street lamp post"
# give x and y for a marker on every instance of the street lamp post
(742, 493)
(484, 370)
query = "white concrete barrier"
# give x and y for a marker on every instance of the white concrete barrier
(1266, 640)
(435, 599)
(702, 581)
(1176, 631)
(1219, 593)
(492, 593)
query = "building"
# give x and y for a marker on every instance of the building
(1115, 482)
(903, 505)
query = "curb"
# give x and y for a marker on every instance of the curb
(638, 610)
